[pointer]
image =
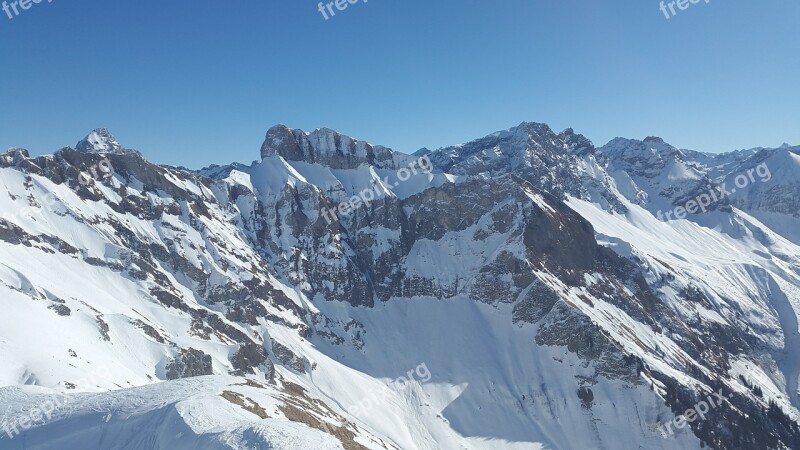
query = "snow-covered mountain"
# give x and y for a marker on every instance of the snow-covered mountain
(525, 293)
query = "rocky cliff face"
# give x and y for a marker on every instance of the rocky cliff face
(528, 273)
(324, 146)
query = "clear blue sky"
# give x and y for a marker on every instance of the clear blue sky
(194, 82)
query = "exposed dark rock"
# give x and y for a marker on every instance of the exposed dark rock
(150, 331)
(286, 357)
(587, 397)
(61, 310)
(102, 326)
(536, 303)
(189, 363)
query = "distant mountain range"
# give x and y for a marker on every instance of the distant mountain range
(527, 290)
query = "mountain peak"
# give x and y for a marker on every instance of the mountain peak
(654, 140)
(281, 140)
(535, 128)
(100, 140)
(577, 143)
(323, 146)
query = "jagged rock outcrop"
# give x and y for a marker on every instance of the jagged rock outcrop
(324, 146)
(189, 363)
(101, 141)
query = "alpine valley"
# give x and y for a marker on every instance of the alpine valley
(524, 294)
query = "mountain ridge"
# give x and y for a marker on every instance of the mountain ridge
(528, 272)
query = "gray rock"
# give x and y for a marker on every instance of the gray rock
(189, 363)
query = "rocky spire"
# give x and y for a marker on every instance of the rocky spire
(101, 141)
